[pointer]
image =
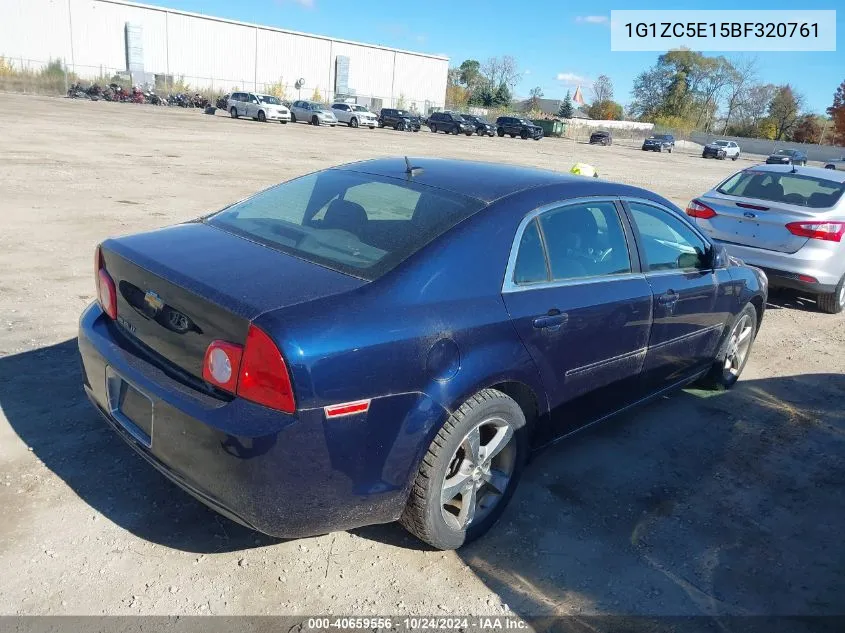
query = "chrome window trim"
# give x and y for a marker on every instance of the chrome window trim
(508, 285)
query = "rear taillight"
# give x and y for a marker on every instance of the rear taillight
(255, 371)
(106, 293)
(264, 376)
(696, 209)
(828, 231)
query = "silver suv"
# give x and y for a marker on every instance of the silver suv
(787, 220)
(313, 113)
(257, 106)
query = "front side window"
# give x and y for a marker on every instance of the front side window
(270, 100)
(354, 223)
(585, 240)
(668, 243)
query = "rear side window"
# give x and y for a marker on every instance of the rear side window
(530, 259)
(585, 240)
(355, 223)
(785, 187)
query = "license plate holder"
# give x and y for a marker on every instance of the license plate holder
(132, 409)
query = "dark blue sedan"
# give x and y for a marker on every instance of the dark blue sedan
(389, 340)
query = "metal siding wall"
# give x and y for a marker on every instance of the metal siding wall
(99, 35)
(210, 53)
(419, 79)
(287, 57)
(34, 30)
(205, 50)
(370, 69)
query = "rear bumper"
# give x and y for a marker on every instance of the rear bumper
(823, 262)
(285, 475)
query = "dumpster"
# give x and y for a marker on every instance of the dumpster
(550, 127)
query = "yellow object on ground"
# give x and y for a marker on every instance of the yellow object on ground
(583, 169)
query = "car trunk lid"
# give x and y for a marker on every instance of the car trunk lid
(756, 223)
(182, 287)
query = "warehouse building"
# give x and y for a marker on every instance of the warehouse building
(165, 47)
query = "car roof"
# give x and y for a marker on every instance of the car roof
(486, 182)
(818, 172)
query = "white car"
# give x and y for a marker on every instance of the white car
(257, 106)
(721, 149)
(354, 115)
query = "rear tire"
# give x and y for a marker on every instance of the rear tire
(735, 157)
(480, 451)
(734, 352)
(500, 132)
(292, 117)
(833, 302)
(513, 135)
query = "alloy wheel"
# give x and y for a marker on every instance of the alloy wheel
(739, 344)
(478, 473)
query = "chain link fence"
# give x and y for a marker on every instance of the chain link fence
(56, 78)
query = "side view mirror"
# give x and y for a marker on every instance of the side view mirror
(719, 256)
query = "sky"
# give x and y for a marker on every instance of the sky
(558, 46)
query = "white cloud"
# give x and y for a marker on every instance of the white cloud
(571, 79)
(308, 4)
(527, 72)
(592, 19)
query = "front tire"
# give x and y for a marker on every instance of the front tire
(833, 302)
(353, 122)
(735, 157)
(469, 472)
(734, 353)
(262, 117)
(315, 121)
(523, 135)
(500, 132)
(233, 112)
(292, 117)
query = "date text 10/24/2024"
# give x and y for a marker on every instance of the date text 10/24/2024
(460, 623)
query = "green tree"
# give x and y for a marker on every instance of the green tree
(837, 113)
(565, 111)
(470, 75)
(502, 96)
(784, 110)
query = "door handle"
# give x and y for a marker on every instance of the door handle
(554, 319)
(668, 298)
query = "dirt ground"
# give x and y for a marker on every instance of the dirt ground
(728, 504)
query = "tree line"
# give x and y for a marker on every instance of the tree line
(686, 90)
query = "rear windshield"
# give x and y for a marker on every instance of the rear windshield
(355, 223)
(788, 188)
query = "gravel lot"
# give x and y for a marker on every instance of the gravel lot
(698, 504)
